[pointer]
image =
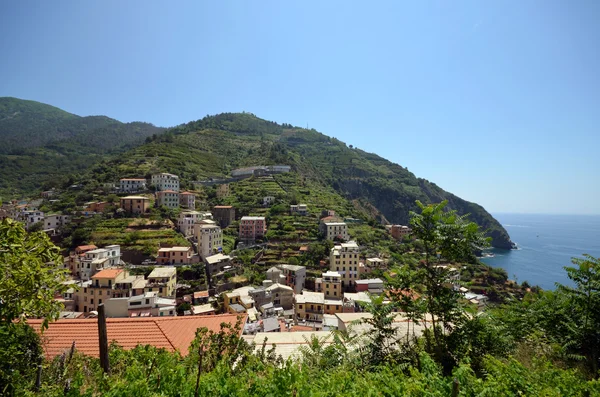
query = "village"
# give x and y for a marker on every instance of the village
(287, 300)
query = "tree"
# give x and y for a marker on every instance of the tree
(447, 237)
(583, 308)
(31, 274)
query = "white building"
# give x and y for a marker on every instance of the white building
(98, 259)
(334, 230)
(187, 220)
(300, 209)
(165, 181)
(210, 239)
(132, 185)
(30, 218)
(168, 198)
(56, 221)
(268, 200)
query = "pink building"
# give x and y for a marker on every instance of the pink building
(252, 227)
(175, 255)
(187, 200)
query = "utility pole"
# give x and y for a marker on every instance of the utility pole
(103, 339)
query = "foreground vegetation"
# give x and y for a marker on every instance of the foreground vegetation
(546, 344)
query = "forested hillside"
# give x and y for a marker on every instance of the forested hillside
(42, 144)
(213, 146)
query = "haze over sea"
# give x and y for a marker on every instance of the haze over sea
(546, 244)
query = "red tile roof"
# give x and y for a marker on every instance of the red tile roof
(171, 333)
(107, 273)
(200, 294)
(86, 247)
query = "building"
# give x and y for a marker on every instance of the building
(163, 280)
(56, 221)
(371, 285)
(96, 206)
(169, 333)
(240, 297)
(86, 264)
(148, 304)
(309, 306)
(187, 219)
(293, 276)
(187, 200)
(30, 218)
(132, 185)
(218, 263)
(277, 295)
(224, 215)
(165, 181)
(299, 209)
(99, 290)
(175, 256)
(210, 239)
(334, 230)
(252, 228)
(344, 259)
(268, 200)
(135, 204)
(332, 285)
(168, 198)
(399, 231)
(222, 191)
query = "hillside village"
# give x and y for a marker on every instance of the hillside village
(287, 265)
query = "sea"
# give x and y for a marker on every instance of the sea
(546, 244)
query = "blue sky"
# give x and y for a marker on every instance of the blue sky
(497, 102)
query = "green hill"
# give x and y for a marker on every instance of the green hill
(42, 144)
(213, 146)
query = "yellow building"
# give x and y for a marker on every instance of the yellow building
(309, 306)
(99, 289)
(239, 296)
(344, 259)
(162, 280)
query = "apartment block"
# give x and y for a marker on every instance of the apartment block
(135, 204)
(165, 181)
(210, 239)
(344, 259)
(167, 198)
(224, 215)
(132, 185)
(187, 200)
(252, 228)
(163, 281)
(334, 230)
(175, 256)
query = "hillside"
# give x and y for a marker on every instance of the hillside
(213, 146)
(41, 144)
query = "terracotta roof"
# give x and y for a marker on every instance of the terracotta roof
(200, 294)
(188, 193)
(223, 206)
(86, 247)
(107, 273)
(171, 333)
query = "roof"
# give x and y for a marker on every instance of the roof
(253, 218)
(237, 308)
(293, 268)
(163, 272)
(200, 294)
(171, 333)
(184, 249)
(332, 274)
(200, 309)
(86, 247)
(133, 179)
(216, 258)
(165, 174)
(167, 191)
(135, 198)
(335, 224)
(187, 193)
(310, 297)
(270, 324)
(287, 344)
(223, 206)
(370, 281)
(108, 273)
(278, 286)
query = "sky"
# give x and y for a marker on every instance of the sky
(497, 102)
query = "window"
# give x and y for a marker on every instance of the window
(92, 301)
(99, 301)
(147, 301)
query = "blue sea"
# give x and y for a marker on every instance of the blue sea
(546, 244)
